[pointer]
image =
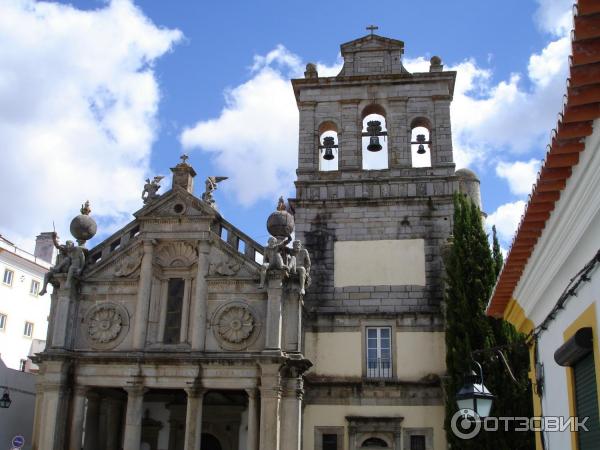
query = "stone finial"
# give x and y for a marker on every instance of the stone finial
(436, 64)
(311, 71)
(83, 227)
(183, 175)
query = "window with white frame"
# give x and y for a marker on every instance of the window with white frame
(8, 277)
(379, 352)
(3, 318)
(28, 330)
(22, 365)
(34, 288)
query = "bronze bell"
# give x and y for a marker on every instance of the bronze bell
(421, 141)
(373, 128)
(328, 143)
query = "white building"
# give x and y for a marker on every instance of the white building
(23, 313)
(550, 283)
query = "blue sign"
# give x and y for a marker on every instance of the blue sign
(18, 441)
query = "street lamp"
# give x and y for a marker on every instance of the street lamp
(5, 401)
(474, 395)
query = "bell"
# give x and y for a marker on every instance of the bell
(328, 155)
(421, 141)
(328, 143)
(374, 145)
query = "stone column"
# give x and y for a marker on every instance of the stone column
(274, 294)
(77, 415)
(307, 138)
(200, 298)
(92, 418)
(399, 149)
(193, 418)
(142, 306)
(351, 145)
(270, 396)
(39, 406)
(113, 419)
(53, 420)
(133, 418)
(252, 436)
(291, 413)
(397, 437)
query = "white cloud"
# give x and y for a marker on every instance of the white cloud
(79, 101)
(255, 138)
(506, 218)
(555, 16)
(520, 175)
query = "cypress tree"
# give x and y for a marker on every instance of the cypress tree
(471, 271)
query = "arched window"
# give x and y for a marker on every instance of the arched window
(328, 147)
(374, 138)
(374, 443)
(420, 142)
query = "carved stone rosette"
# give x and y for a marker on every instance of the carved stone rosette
(106, 325)
(235, 325)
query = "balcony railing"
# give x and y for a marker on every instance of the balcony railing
(379, 368)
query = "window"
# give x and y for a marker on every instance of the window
(375, 443)
(34, 288)
(28, 330)
(174, 310)
(586, 401)
(329, 442)
(3, 318)
(379, 352)
(8, 277)
(22, 365)
(329, 438)
(417, 442)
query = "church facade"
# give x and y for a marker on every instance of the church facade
(182, 332)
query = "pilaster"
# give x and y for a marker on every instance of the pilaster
(133, 418)
(200, 298)
(77, 416)
(274, 309)
(143, 298)
(252, 435)
(193, 418)
(270, 396)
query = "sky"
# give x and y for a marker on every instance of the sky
(96, 96)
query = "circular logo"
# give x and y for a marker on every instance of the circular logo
(18, 441)
(465, 424)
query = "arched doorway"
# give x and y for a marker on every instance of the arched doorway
(209, 442)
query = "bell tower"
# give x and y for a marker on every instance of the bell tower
(374, 208)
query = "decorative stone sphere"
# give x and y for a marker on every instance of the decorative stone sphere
(435, 61)
(280, 224)
(83, 227)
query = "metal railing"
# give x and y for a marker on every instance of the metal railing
(379, 368)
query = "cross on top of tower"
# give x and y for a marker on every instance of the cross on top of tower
(184, 158)
(372, 28)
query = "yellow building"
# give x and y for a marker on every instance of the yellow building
(550, 282)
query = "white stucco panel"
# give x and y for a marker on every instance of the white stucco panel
(376, 263)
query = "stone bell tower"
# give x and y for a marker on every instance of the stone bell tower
(375, 236)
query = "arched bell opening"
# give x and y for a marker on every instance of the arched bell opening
(329, 149)
(374, 138)
(420, 142)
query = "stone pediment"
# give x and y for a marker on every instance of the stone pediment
(372, 55)
(372, 42)
(176, 203)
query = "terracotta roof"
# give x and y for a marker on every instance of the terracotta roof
(581, 106)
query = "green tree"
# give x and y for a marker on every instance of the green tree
(471, 272)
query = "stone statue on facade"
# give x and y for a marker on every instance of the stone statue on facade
(151, 188)
(70, 260)
(300, 264)
(211, 186)
(274, 258)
